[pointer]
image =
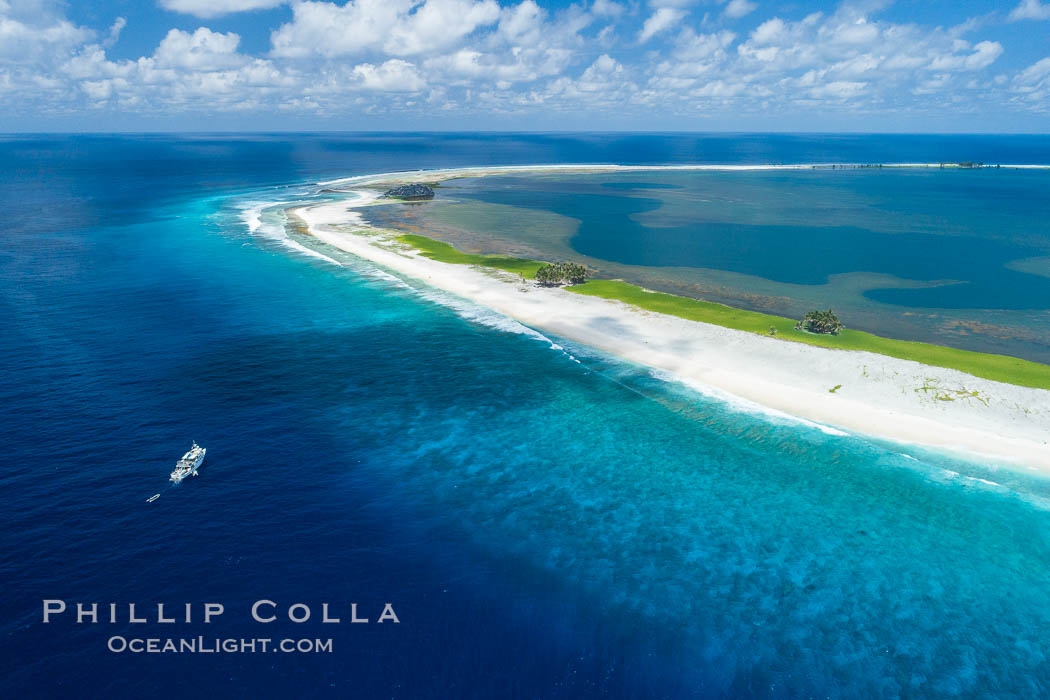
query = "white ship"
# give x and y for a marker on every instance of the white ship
(189, 463)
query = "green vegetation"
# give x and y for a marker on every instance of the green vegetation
(825, 322)
(557, 273)
(1000, 368)
(443, 252)
(931, 387)
(835, 388)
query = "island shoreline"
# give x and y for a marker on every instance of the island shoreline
(880, 395)
(442, 174)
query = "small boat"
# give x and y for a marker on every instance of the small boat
(153, 498)
(188, 464)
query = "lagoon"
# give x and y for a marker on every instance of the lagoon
(950, 256)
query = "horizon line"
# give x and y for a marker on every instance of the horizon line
(5, 134)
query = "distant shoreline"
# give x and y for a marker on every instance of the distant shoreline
(441, 174)
(854, 390)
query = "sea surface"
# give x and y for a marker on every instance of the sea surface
(546, 521)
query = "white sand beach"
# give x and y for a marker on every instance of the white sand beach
(432, 176)
(879, 396)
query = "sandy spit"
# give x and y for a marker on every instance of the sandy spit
(879, 396)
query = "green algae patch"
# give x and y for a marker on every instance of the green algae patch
(999, 368)
(443, 252)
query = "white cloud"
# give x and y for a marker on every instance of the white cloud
(933, 84)
(523, 23)
(394, 27)
(660, 21)
(850, 59)
(1035, 73)
(342, 56)
(24, 41)
(984, 54)
(736, 9)
(393, 76)
(201, 50)
(1030, 9)
(438, 24)
(601, 71)
(694, 55)
(114, 31)
(332, 30)
(606, 8)
(603, 83)
(216, 8)
(1031, 86)
(838, 90)
(690, 46)
(858, 32)
(514, 66)
(671, 3)
(720, 89)
(526, 45)
(849, 43)
(198, 70)
(768, 32)
(97, 89)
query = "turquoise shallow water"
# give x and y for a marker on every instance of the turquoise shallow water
(548, 521)
(722, 537)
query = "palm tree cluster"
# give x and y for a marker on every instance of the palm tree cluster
(820, 322)
(560, 273)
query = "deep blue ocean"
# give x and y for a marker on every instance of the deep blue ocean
(545, 520)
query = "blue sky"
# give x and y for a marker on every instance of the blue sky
(698, 65)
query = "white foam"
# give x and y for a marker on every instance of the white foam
(971, 479)
(983, 481)
(470, 311)
(252, 216)
(482, 315)
(377, 273)
(743, 405)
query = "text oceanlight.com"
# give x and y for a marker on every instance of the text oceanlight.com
(201, 645)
